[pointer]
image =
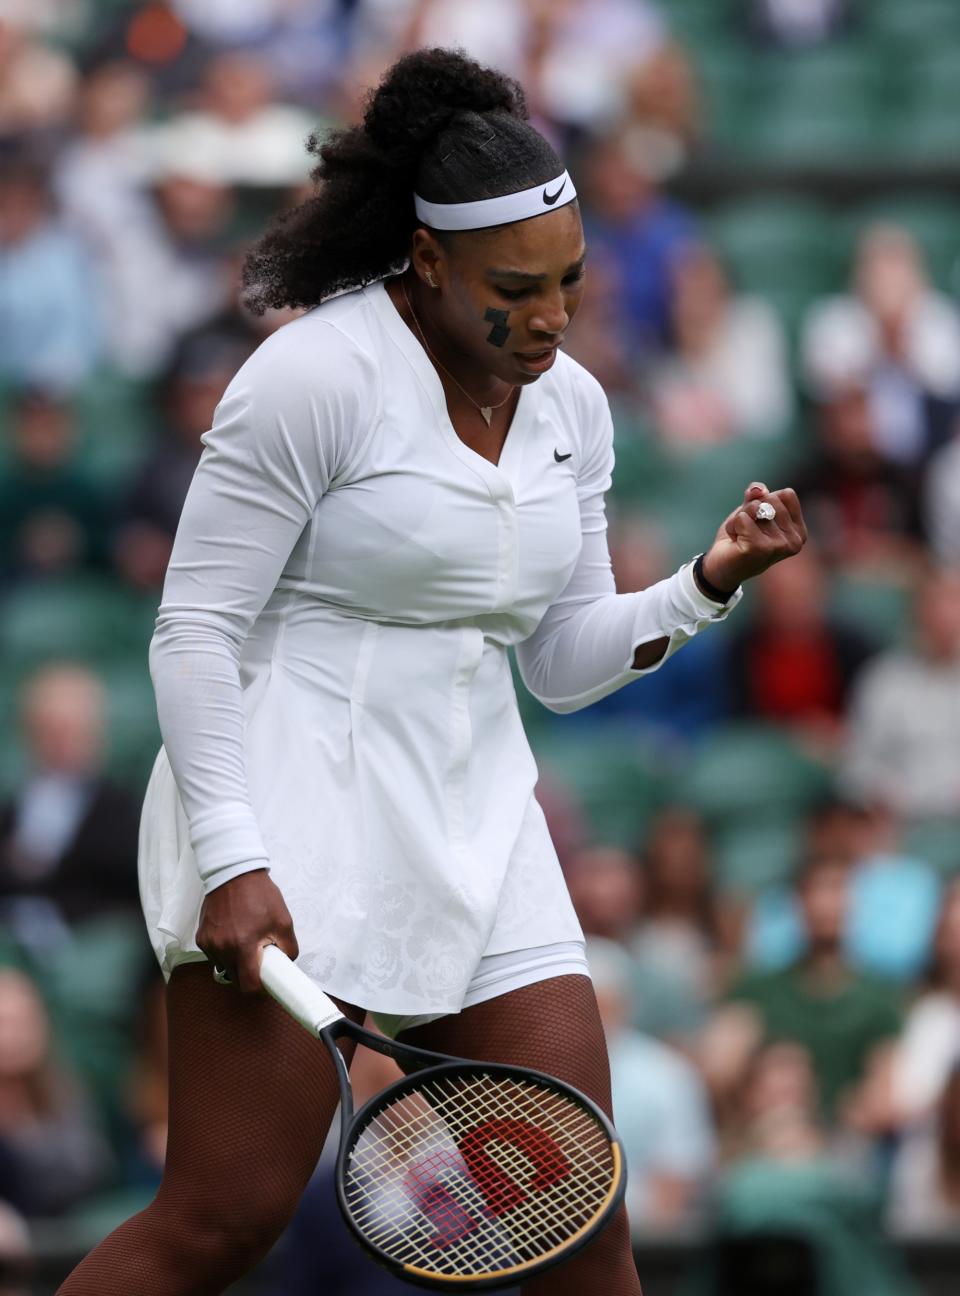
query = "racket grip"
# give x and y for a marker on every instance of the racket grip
(294, 991)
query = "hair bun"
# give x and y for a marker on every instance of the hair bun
(423, 92)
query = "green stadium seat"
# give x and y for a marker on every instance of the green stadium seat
(932, 219)
(725, 80)
(748, 857)
(815, 106)
(616, 779)
(89, 619)
(11, 753)
(937, 841)
(923, 107)
(838, 72)
(88, 1223)
(133, 734)
(782, 248)
(917, 24)
(751, 773)
(692, 21)
(642, 469)
(879, 608)
(114, 424)
(822, 131)
(91, 983)
(704, 487)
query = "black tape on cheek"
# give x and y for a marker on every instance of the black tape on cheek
(500, 331)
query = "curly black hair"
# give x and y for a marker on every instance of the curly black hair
(438, 123)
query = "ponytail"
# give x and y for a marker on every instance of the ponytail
(438, 124)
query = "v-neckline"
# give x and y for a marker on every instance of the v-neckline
(426, 371)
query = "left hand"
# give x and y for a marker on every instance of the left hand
(745, 547)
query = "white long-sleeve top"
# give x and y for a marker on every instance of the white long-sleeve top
(330, 656)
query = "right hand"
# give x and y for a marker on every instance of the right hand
(238, 920)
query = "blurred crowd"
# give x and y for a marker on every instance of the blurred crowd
(761, 839)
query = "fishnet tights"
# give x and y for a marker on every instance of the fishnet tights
(551, 1026)
(251, 1100)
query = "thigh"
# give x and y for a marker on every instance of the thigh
(552, 1026)
(252, 1096)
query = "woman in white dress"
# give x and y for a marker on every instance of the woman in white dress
(398, 486)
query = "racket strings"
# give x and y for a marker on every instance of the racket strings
(476, 1172)
(434, 1156)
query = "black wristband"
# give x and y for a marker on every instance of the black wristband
(710, 591)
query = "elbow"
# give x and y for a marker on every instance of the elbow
(558, 705)
(562, 706)
(178, 633)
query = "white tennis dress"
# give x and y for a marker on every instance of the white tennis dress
(330, 658)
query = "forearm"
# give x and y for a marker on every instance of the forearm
(587, 647)
(200, 708)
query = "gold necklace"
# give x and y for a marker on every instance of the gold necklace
(486, 411)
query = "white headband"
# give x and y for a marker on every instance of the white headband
(497, 211)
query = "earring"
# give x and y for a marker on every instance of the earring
(430, 279)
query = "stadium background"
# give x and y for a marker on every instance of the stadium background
(762, 838)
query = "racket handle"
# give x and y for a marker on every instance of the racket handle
(294, 991)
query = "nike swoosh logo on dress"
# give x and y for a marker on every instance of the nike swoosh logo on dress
(550, 199)
(559, 457)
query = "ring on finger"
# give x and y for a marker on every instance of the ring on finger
(222, 976)
(766, 512)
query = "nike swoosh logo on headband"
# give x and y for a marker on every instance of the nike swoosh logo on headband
(550, 199)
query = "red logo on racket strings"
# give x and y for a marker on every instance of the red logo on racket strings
(500, 1193)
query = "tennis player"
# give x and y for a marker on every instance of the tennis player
(398, 486)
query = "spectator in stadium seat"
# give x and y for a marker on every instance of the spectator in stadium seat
(68, 835)
(663, 99)
(774, 1112)
(50, 297)
(840, 1016)
(660, 1104)
(895, 337)
(796, 1207)
(605, 886)
(51, 1148)
(893, 904)
(902, 747)
(925, 1183)
(636, 230)
(204, 363)
(864, 508)
(102, 180)
(53, 520)
(37, 81)
(930, 1044)
(677, 945)
(795, 663)
(236, 122)
(168, 271)
(787, 25)
(145, 1090)
(726, 373)
(940, 500)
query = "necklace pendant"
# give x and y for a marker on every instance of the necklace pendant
(487, 413)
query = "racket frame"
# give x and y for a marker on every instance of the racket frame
(319, 1015)
(352, 1129)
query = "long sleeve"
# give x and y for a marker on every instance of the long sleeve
(585, 643)
(287, 427)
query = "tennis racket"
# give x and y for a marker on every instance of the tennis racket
(462, 1175)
